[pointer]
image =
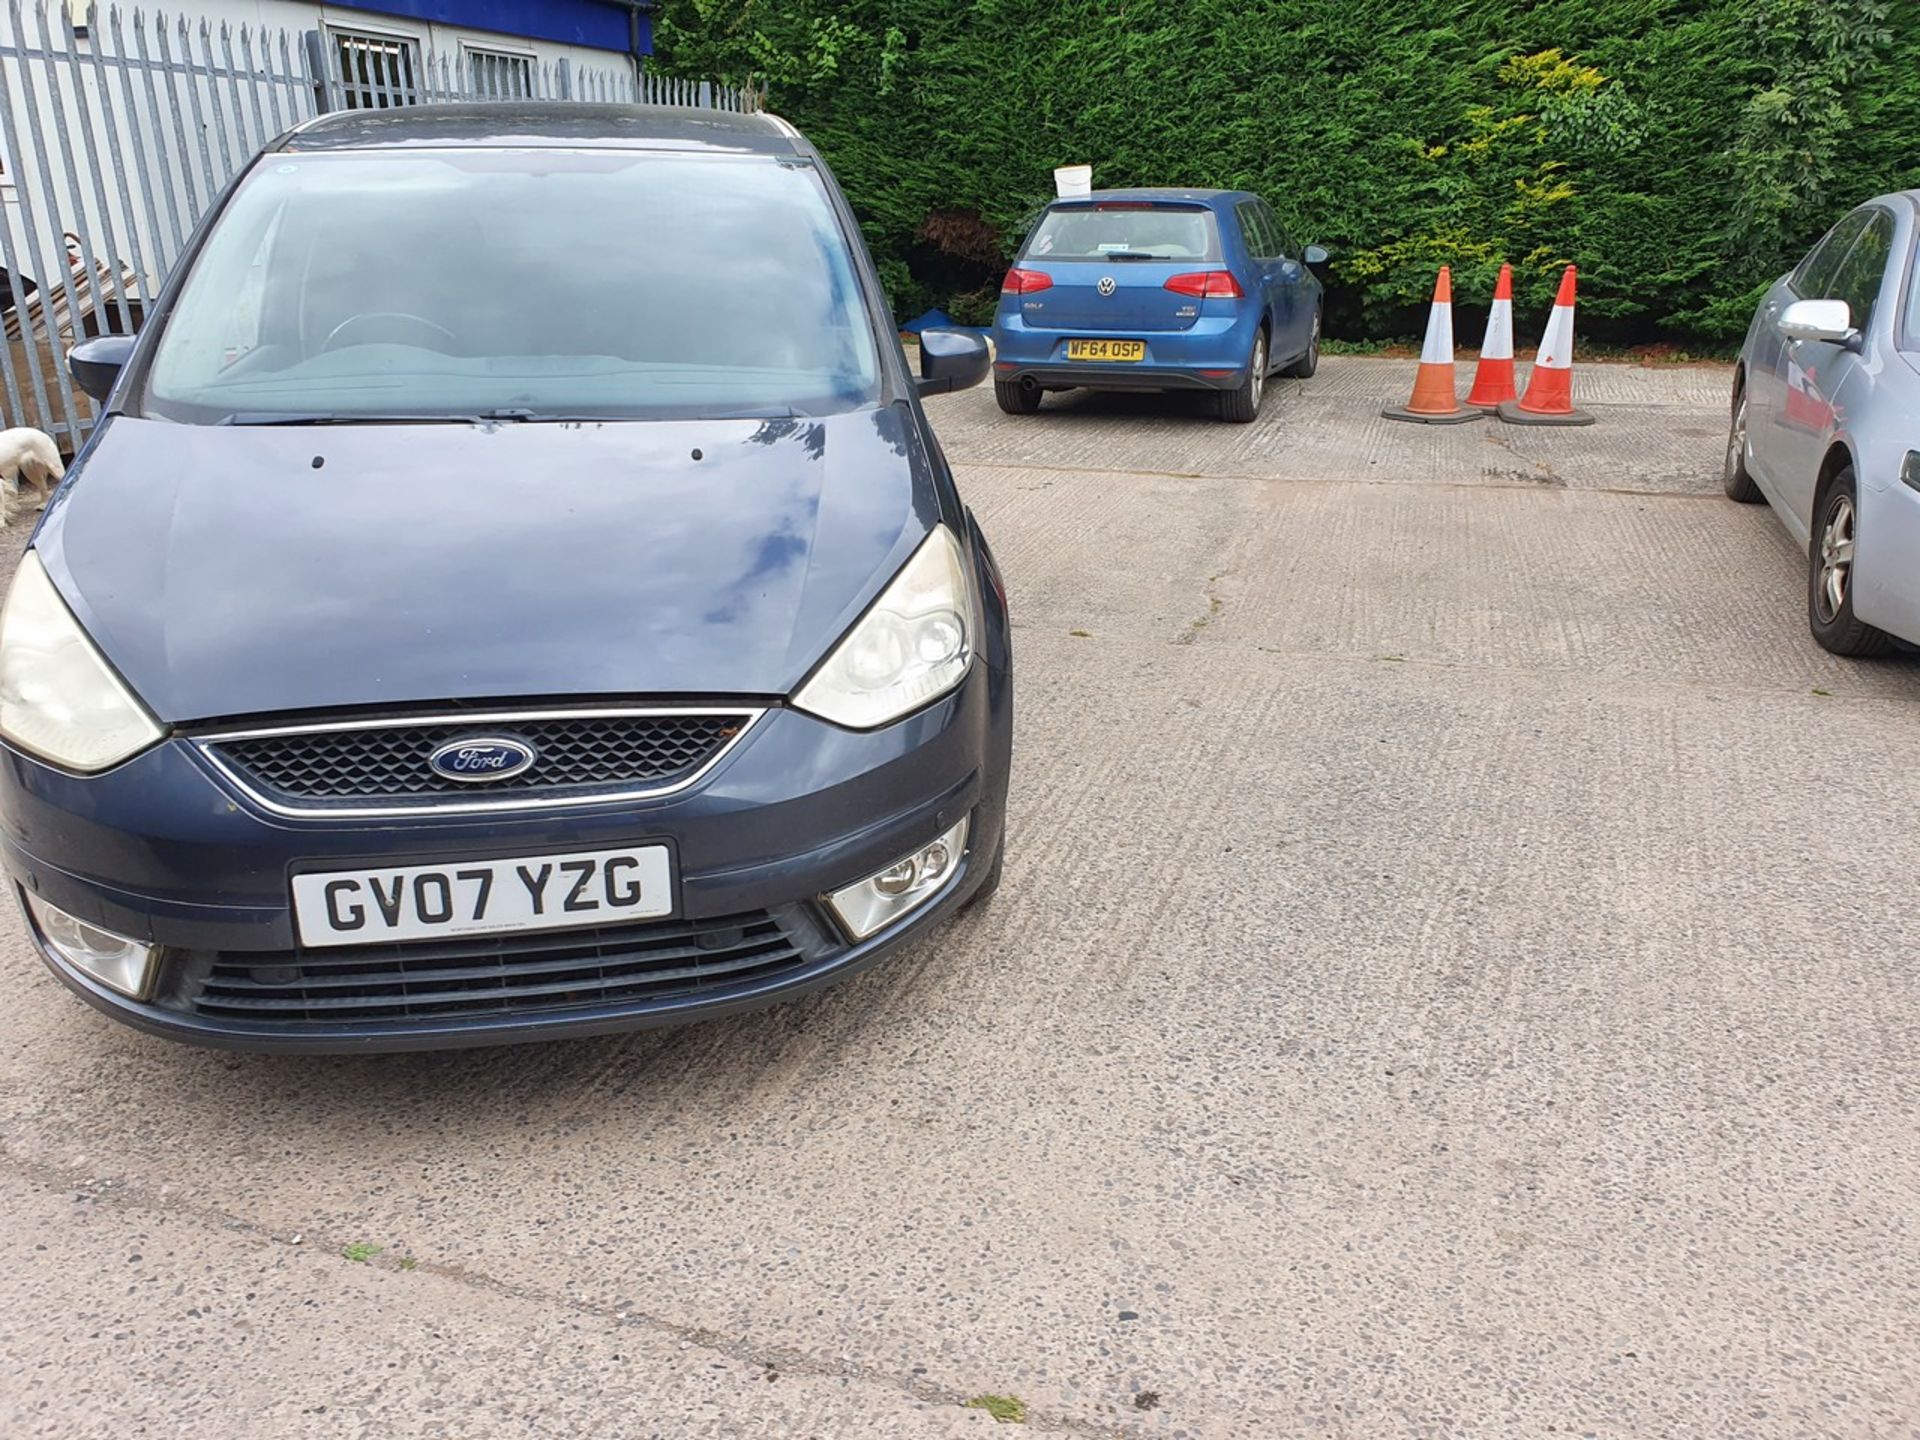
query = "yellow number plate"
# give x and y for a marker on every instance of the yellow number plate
(1106, 349)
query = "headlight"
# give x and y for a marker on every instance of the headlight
(911, 646)
(58, 698)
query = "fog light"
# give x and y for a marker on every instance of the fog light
(934, 860)
(903, 886)
(895, 879)
(115, 961)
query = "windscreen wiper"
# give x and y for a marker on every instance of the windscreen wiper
(322, 417)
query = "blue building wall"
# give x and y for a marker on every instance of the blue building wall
(598, 24)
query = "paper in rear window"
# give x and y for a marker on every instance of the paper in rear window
(1127, 230)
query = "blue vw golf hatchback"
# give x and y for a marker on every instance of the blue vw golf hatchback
(513, 591)
(1157, 290)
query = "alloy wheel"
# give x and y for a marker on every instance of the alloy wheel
(1836, 559)
(1737, 438)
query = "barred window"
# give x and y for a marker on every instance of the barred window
(376, 71)
(500, 74)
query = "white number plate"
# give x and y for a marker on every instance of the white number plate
(483, 897)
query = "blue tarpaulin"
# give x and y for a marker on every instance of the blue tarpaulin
(931, 320)
(939, 320)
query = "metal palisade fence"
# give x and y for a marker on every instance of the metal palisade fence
(117, 132)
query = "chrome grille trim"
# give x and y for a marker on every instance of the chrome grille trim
(205, 744)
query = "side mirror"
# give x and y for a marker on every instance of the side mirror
(1829, 320)
(96, 363)
(952, 360)
(1317, 257)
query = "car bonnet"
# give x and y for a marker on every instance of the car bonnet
(241, 571)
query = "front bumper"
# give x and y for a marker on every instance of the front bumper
(167, 849)
(1886, 576)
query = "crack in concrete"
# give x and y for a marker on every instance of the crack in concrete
(1620, 683)
(1215, 604)
(1528, 486)
(1545, 473)
(783, 1359)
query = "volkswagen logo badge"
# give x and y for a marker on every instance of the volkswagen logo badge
(1106, 285)
(475, 759)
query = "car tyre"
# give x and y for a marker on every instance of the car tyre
(1016, 398)
(1242, 406)
(1734, 477)
(1836, 535)
(1303, 368)
(992, 882)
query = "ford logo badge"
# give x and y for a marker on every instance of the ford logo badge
(479, 758)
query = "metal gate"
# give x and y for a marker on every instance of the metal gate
(117, 133)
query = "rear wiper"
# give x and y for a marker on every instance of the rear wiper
(274, 417)
(1135, 255)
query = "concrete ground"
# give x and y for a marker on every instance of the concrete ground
(1455, 976)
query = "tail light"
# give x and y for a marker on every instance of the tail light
(1207, 285)
(1025, 282)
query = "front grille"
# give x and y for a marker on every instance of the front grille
(388, 762)
(458, 979)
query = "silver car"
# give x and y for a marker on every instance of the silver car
(1826, 424)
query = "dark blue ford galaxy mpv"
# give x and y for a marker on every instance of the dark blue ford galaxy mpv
(1158, 290)
(513, 592)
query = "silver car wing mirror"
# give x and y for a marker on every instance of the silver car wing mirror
(1829, 320)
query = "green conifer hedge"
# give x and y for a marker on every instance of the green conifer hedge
(1682, 152)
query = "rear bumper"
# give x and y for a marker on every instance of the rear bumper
(1118, 377)
(1212, 354)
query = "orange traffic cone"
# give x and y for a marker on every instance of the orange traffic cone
(1493, 376)
(1434, 401)
(1549, 397)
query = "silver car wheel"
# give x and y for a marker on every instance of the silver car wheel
(1836, 559)
(1259, 369)
(1737, 438)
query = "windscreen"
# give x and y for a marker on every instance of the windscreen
(545, 283)
(1124, 232)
